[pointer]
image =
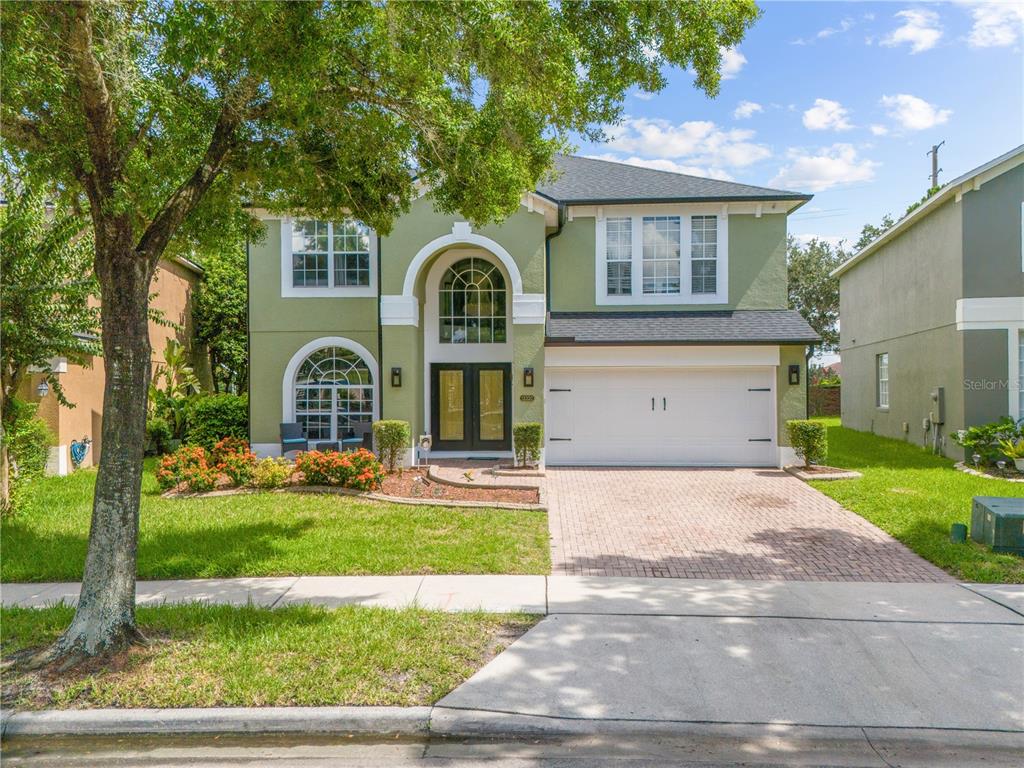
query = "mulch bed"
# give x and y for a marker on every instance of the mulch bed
(413, 484)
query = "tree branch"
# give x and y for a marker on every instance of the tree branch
(97, 105)
(187, 196)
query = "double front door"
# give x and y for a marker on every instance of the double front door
(471, 406)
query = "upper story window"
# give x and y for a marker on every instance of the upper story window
(619, 255)
(704, 254)
(472, 305)
(330, 254)
(882, 370)
(640, 257)
(661, 254)
(327, 258)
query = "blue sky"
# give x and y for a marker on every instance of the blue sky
(843, 100)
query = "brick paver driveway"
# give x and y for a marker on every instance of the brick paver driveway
(715, 524)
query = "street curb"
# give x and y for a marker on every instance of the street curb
(391, 721)
(423, 722)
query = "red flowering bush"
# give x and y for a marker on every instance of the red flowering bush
(190, 465)
(357, 469)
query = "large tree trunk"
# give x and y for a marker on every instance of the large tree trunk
(105, 619)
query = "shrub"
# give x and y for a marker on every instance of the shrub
(357, 469)
(393, 438)
(985, 439)
(229, 446)
(28, 442)
(158, 435)
(526, 437)
(809, 439)
(238, 466)
(214, 417)
(272, 473)
(190, 465)
(368, 471)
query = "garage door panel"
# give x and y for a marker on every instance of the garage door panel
(699, 416)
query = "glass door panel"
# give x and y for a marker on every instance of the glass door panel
(491, 404)
(451, 397)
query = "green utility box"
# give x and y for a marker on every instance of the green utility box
(999, 523)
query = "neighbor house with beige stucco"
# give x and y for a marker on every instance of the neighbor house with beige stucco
(640, 315)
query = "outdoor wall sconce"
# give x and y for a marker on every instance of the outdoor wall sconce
(794, 374)
(396, 377)
(527, 377)
(43, 389)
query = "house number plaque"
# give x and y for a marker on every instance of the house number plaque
(526, 398)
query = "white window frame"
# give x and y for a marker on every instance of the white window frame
(884, 406)
(686, 296)
(291, 291)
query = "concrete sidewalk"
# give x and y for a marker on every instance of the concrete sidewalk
(831, 655)
(852, 601)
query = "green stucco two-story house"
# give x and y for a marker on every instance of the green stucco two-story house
(639, 314)
(932, 313)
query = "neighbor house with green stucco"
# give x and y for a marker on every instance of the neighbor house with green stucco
(640, 315)
(932, 313)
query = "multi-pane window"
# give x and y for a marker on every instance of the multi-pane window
(661, 246)
(704, 254)
(882, 369)
(335, 254)
(333, 394)
(619, 255)
(471, 306)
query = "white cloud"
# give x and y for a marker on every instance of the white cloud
(746, 109)
(699, 143)
(921, 29)
(827, 115)
(661, 164)
(844, 26)
(996, 24)
(732, 62)
(833, 240)
(914, 114)
(879, 130)
(827, 167)
(644, 95)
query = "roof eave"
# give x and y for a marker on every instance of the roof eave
(801, 199)
(954, 188)
(572, 341)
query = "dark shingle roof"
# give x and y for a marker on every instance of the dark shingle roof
(583, 180)
(746, 326)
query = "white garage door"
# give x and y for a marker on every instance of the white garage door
(658, 416)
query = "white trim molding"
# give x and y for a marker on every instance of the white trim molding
(288, 381)
(529, 309)
(291, 291)
(462, 234)
(994, 312)
(661, 357)
(637, 297)
(399, 310)
(57, 461)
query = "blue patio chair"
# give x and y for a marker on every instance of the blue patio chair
(293, 438)
(361, 436)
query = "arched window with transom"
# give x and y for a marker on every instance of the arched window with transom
(334, 395)
(472, 303)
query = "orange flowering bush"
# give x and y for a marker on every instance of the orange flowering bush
(190, 465)
(356, 469)
(229, 446)
(234, 459)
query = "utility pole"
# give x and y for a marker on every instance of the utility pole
(934, 152)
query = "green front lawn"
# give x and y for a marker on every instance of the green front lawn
(916, 496)
(272, 534)
(208, 656)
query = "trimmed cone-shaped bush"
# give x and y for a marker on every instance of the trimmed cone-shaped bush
(809, 440)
